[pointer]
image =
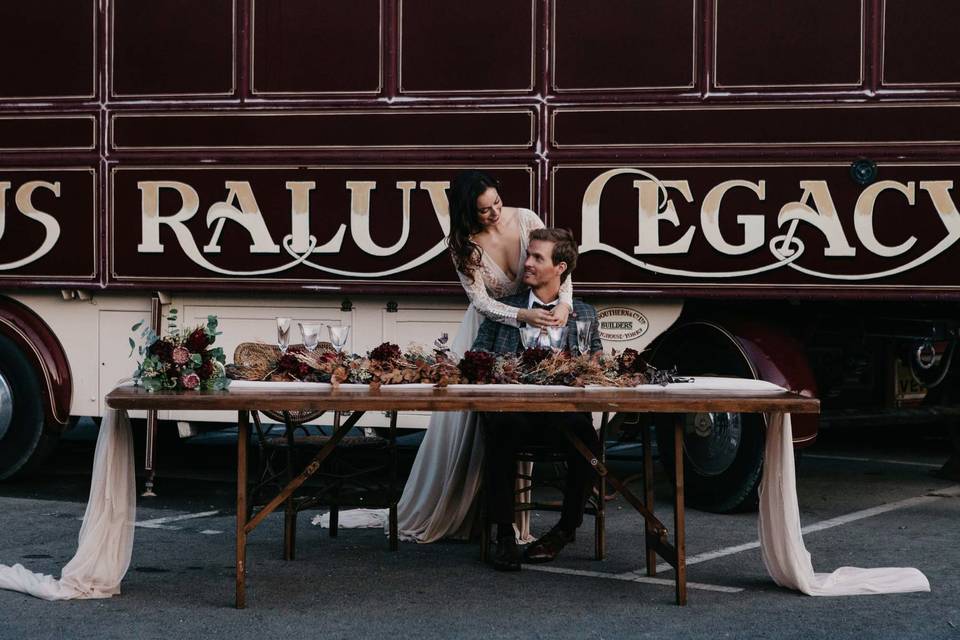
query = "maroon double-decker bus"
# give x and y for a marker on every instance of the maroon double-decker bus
(760, 189)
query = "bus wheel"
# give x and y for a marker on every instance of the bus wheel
(722, 452)
(723, 458)
(23, 442)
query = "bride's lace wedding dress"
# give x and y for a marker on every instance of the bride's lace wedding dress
(438, 498)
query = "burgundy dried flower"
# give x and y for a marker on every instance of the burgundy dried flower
(329, 356)
(190, 381)
(477, 366)
(288, 362)
(630, 362)
(180, 355)
(386, 352)
(206, 370)
(162, 348)
(197, 341)
(534, 356)
(292, 365)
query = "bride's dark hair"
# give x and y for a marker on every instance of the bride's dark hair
(464, 191)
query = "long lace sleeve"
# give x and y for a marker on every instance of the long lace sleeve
(566, 292)
(490, 308)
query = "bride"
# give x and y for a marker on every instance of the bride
(488, 244)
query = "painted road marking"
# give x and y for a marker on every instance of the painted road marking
(907, 463)
(162, 523)
(932, 496)
(630, 577)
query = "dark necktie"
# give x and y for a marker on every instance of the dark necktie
(548, 307)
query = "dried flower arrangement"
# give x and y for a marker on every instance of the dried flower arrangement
(387, 364)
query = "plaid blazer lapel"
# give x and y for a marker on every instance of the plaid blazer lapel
(507, 339)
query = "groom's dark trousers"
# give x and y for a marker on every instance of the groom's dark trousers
(507, 432)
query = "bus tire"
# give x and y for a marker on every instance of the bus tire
(24, 443)
(723, 452)
(734, 485)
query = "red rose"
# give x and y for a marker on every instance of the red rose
(197, 341)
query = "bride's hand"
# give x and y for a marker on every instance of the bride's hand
(560, 313)
(536, 317)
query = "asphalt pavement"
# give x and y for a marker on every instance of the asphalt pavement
(868, 496)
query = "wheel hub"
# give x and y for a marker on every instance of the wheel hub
(6, 406)
(712, 440)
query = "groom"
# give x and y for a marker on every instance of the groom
(551, 257)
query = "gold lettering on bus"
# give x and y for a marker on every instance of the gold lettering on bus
(240, 207)
(24, 203)
(815, 208)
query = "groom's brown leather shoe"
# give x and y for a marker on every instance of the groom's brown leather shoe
(507, 556)
(548, 547)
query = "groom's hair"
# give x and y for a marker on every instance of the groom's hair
(564, 247)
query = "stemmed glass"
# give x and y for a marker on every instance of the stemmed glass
(584, 331)
(529, 336)
(543, 340)
(338, 335)
(557, 338)
(283, 334)
(311, 334)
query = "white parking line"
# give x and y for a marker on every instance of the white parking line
(907, 463)
(933, 496)
(630, 577)
(161, 523)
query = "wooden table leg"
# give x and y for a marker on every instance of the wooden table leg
(243, 437)
(150, 455)
(392, 511)
(289, 507)
(678, 511)
(648, 499)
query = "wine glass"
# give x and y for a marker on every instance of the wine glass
(543, 340)
(311, 334)
(529, 336)
(338, 335)
(283, 334)
(584, 331)
(557, 338)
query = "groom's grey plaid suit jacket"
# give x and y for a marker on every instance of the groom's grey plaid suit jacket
(502, 338)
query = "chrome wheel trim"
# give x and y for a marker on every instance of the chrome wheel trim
(711, 441)
(6, 406)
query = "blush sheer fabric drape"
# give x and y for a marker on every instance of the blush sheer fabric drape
(105, 543)
(781, 542)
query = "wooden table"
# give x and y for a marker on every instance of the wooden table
(473, 398)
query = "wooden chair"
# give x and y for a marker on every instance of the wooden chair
(361, 471)
(541, 455)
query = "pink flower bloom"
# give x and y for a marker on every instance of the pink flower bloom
(181, 355)
(190, 381)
